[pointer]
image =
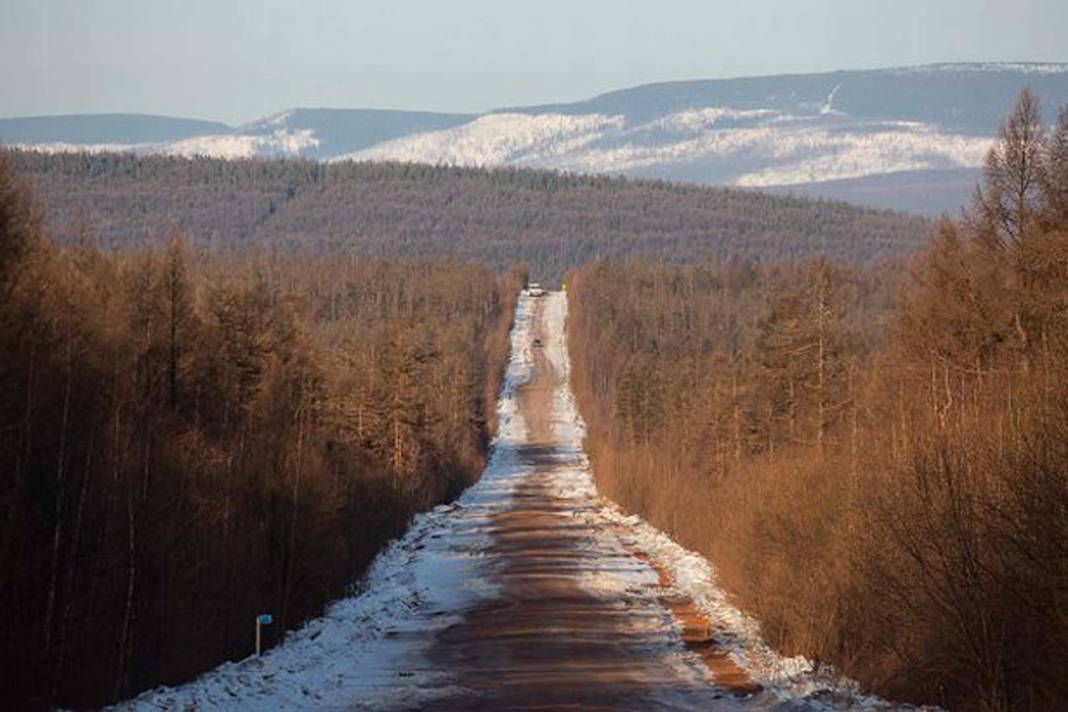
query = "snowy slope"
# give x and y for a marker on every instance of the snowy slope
(339, 131)
(764, 149)
(761, 131)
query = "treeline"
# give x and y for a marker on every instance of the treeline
(879, 477)
(500, 217)
(190, 440)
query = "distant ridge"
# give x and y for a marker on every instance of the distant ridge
(968, 96)
(120, 129)
(341, 131)
(832, 133)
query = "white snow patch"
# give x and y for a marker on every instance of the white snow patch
(277, 144)
(828, 107)
(279, 119)
(496, 140)
(697, 120)
(55, 147)
(280, 143)
(777, 155)
(1023, 67)
(819, 155)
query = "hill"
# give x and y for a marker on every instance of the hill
(118, 130)
(499, 216)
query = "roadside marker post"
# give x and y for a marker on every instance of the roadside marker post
(261, 620)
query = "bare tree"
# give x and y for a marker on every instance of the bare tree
(178, 305)
(1013, 172)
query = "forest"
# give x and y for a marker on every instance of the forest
(498, 217)
(874, 458)
(189, 440)
(226, 385)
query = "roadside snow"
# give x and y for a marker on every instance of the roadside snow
(793, 683)
(366, 651)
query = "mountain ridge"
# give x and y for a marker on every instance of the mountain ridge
(829, 132)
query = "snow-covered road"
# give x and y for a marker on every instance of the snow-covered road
(529, 589)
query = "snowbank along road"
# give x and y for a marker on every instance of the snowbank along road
(529, 591)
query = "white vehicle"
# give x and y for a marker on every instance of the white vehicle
(534, 289)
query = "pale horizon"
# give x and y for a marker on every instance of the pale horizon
(248, 60)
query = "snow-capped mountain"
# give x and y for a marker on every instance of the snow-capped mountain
(307, 133)
(910, 138)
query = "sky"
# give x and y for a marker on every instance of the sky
(237, 60)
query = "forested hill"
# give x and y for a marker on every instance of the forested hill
(501, 216)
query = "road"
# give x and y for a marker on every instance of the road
(528, 592)
(549, 638)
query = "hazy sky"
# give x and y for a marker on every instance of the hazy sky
(236, 60)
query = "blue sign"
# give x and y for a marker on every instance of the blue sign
(264, 619)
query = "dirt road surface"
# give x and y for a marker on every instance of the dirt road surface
(551, 640)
